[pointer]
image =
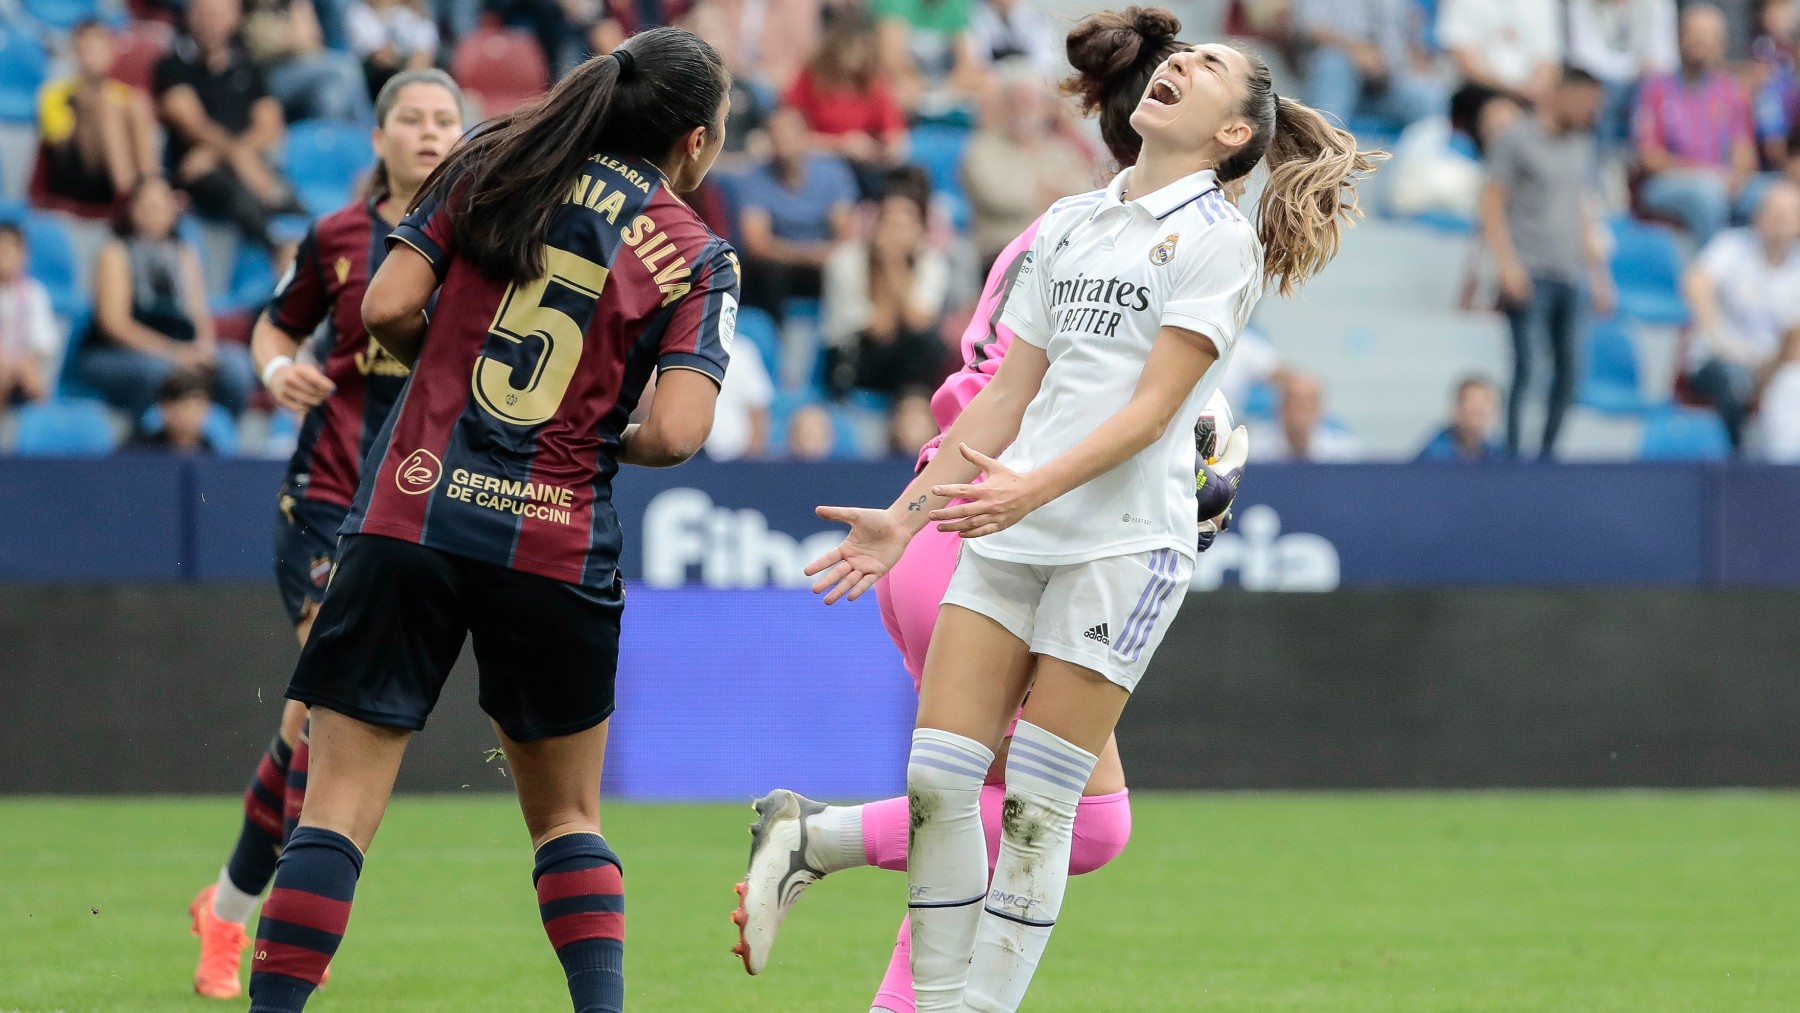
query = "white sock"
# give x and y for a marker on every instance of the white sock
(230, 903)
(1044, 778)
(946, 862)
(834, 838)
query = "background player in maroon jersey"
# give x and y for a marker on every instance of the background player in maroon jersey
(567, 271)
(345, 385)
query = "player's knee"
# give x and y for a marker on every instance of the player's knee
(1102, 829)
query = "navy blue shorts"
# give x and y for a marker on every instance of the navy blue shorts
(306, 538)
(393, 624)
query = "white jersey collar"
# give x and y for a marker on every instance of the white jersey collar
(1163, 202)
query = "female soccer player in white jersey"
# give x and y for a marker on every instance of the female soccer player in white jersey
(1075, 542)
(797, 841)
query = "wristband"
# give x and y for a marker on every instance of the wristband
(275, 365)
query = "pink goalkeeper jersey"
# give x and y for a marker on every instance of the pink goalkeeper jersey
(984, 341)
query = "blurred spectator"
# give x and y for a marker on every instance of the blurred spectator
(1016, 30)
(1779, 420)
(286, 41)
(28, 333)
(912, 424)
(1470, 434)
(1361, 60)
(1744, 291)
(883, 304)
(1620, 42)
(1694, 132)
(182, 408)
(792, 211)
(1014, 166)
(928, 52)
(811, 435)
(1484, 114)
(1539, 220)
(741, 414)
(1301, 432)
(1512, 46)
(847, 104)
(390, 36)
(766, 40)
(98, 133)
(223, 123)
(720, 23)
(150, 315)
(1774, 88)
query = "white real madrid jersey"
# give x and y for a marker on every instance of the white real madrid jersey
(1103, 276)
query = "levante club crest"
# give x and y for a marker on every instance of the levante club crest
(1164, 251)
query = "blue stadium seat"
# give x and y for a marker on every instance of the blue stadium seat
(1685, 434)
(69, 383)
(1609, 379)
(759, 328)
(63, 15)
(325, 160)
(1646, 267)
(64, 428)
(252, 281)
(23, 65)
(939, 150)
(53, 261)
(220, 429)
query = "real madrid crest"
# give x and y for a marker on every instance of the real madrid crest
(1164, 251)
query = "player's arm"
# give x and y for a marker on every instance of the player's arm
(301, 299)
(681, 417)
(1178, 360)
(393, 308)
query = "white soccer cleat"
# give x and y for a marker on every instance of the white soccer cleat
(777, 875)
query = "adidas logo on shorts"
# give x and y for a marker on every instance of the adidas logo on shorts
(1098, 633)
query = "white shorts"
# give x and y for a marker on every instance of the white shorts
(1106, 614)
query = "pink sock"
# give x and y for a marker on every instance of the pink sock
(896, 991)
(1102, 827)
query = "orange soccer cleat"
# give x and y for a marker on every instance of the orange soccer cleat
(221, 949)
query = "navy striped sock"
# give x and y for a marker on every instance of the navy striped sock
(581, 897)
(259, 842)
(296, 781)
(303, 920)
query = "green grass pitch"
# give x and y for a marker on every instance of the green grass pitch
(1588, 902)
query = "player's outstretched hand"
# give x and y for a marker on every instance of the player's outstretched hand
(873, 546)
(299, 386)
(992, 505)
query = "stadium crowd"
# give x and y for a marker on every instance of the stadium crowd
(1618, 164)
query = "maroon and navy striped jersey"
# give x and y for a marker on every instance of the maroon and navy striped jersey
(326, 283)
(505, 443)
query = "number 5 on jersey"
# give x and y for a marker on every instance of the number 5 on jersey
(540, 324)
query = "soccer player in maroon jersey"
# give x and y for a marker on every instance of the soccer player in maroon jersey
(345, 386)
(567, 270)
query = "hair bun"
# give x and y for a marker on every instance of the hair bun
(1107, 45)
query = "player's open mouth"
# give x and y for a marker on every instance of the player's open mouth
(426, 154)
(1163, 92)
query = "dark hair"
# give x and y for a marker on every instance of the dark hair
(1115, 53)
(88, 25)
(183, 384)
(8, 227)
(508, 179)
(389, 96)
(911, 182)
(122, 225)
(843, 33)
(1573, 75)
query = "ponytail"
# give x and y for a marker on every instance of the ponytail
(505, 182)
(1311, 191)
(1310, 194)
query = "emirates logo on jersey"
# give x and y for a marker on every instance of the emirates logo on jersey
(419, 473)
